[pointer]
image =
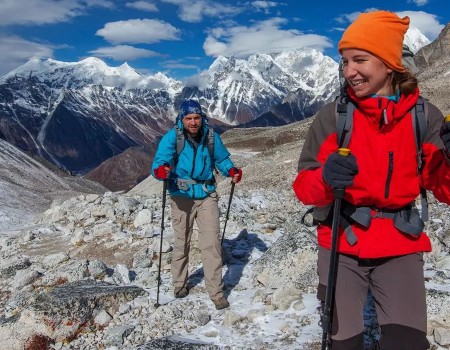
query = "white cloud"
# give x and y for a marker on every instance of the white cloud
(347, 17)
(176, 64)
(194, 10)
(264, 5)
(338, 29)
(45, 11)
(123, 52)
(109, 4)
(201, 80)
(142, 5)
(16, 51)
(427, 23)
(350, 17)
(418, 2)
(263, 37)
(138, 31)
(215, 48)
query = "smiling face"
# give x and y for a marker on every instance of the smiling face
(366, 74)
(192, 124)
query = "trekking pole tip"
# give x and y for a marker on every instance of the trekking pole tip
(344, 152)
(447, 118)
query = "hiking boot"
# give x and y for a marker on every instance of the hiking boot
(221, 303)
(181, 292)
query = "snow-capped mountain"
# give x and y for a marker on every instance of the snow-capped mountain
(78, 114)
(90, 71)
(415, 39)
(238, 91)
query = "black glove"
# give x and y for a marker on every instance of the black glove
(339, 171)
(445, 136)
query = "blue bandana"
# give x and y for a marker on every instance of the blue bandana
(190, 107)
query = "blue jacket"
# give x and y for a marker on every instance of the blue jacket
(193, 164)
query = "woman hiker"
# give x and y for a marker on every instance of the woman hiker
(382, 178)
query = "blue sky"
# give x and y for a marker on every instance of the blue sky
(183, 37)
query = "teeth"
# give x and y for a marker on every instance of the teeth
(355, 83)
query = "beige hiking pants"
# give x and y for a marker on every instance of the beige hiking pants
(206, 213)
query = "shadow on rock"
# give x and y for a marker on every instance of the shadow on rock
(236, 254)
(177, 343)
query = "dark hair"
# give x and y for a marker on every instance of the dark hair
(406, 82)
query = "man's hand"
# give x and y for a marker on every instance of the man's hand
(235, 174)
(162, 172)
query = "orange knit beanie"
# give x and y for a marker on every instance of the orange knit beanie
(380, 33)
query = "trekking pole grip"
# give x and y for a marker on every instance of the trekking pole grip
(344, 152)
(339, 192)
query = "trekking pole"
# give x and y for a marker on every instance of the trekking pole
(228, 211)
(329, 298)
(161, 241)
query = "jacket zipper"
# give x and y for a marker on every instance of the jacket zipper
(193, 167)
(203, 168)
(193, 160)
(389, 174)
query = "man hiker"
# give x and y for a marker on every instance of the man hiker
(380, 242)
(189, 170)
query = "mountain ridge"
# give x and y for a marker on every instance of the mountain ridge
(79, 114)
(77, 123)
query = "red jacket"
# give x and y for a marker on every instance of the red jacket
(382, 129)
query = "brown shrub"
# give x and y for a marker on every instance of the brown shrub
(38, 342)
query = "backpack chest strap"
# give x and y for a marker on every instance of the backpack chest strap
(183, 184)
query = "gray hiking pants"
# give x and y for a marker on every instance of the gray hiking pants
(397, 284)
(206, 213)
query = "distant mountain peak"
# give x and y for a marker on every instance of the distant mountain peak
(126, 69)
(90, 60)
(77, 114)
(415, 39)
(90, 70)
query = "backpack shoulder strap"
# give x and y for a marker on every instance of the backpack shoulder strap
(210, 142)
(344, 109)
(419, 117)
(180, 139)
(179, 142)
